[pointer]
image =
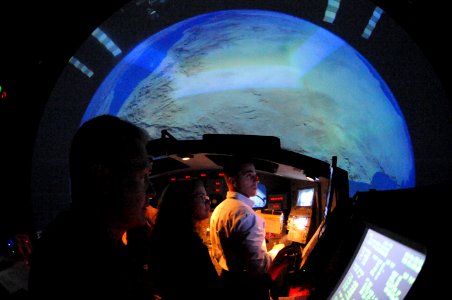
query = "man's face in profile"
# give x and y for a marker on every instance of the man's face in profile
(247, 180)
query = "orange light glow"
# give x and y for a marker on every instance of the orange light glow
(298, 291)
(124, 238)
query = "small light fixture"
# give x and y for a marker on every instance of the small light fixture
(185, 156)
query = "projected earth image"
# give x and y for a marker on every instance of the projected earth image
(265, 73)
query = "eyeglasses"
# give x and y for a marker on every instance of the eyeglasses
(204, 197)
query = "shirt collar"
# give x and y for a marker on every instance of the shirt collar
(240, 197)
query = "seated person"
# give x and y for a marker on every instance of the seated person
(180, 264)
(81, 253)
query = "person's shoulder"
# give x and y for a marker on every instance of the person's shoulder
(233, 208)
(67, 228)
(241, 210)
(54, 242)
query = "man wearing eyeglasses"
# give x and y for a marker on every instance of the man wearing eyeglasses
(81, 254)
(237, 234)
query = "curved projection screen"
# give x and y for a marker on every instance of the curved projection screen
(281, 68)
(257, 71)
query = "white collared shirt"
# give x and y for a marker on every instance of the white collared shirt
(237, 234)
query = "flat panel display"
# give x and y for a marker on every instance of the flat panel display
(260, 200)
(305, 197)
(384, 266)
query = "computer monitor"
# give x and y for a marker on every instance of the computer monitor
(384, 266)
(299, 220)
(305, 197)
(260, 200)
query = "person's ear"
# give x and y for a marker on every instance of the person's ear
(234, 182)
(231, 181)
(102, 176)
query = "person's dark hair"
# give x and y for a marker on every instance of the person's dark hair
(233, 165)
(176, 205)
(104, 142)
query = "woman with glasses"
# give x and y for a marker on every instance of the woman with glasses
(180, 264)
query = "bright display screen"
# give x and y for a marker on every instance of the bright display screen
(382, 268)
(305, 197)
(260, 200)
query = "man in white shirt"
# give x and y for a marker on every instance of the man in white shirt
(237, 234)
